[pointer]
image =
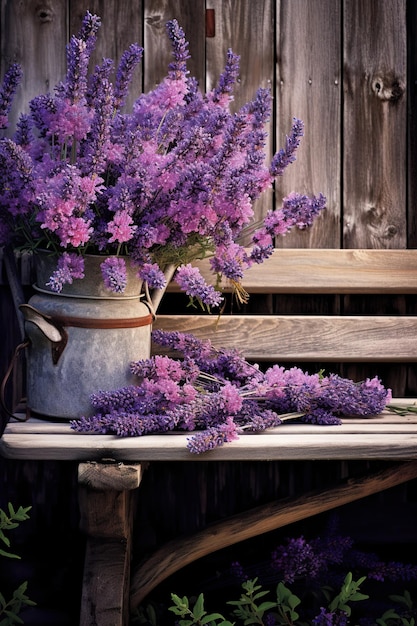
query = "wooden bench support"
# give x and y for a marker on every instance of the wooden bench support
(106, 496)
(178, 553)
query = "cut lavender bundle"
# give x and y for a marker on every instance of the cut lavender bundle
(217, 395)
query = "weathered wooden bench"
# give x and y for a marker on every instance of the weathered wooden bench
(110, 469)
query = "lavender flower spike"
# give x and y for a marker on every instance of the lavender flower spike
(11, 81)
(286, 156)
(179, 49)
(131, 57)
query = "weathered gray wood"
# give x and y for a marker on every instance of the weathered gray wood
(385, 437)
(106, 518)
(375, 110)
(412, 126)
(304, 338)
(318, 271)
(181, 552)
(308, 85)
(104, 476)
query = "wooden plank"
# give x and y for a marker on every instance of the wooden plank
(314, 271)
(308, 86)
(304, 338)
(248, 448)
(384, 437)
(375, 122)
(412, 125)
(183, 551)
(33, 34)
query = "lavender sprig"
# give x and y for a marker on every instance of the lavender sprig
(11, 81)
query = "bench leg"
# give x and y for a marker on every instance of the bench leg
(106, 496)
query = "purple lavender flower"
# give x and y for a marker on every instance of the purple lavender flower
(221, 93)
(79, 50)
(11, 81)
(286, 155)
(130, 58)
(152, 275)
(94, 149)
(69, 266)
(179, 49)
(212, 437)
(217, 394)
(170, 181)
(190, 280)
(113, 270)
(296, 558)
(331, 618)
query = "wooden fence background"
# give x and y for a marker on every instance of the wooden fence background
(347, 68)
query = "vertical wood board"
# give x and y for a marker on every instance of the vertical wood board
(375, 122)
(308, 77)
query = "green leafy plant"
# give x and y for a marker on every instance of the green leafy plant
(348, 593)
(391, 617)
(252, 607)
(10, 609)
(247, 607)
(196, 615)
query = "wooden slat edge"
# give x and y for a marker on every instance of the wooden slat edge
(304, 338)
(314, 270)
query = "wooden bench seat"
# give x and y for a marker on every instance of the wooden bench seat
(384, 437)
(110, 469)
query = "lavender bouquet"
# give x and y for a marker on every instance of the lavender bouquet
(171, 181)
(217, 394)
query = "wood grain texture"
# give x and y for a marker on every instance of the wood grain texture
(337, 271)
(412, 123)
(375, 110)
(308, 86)
(179, 553)
(304, 338)
(106, 518)
(109, 476)
(105, 589)
(384, 437)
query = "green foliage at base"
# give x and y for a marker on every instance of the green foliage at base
(10, 609)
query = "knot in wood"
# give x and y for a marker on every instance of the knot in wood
(44, 13)
(388, 87)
